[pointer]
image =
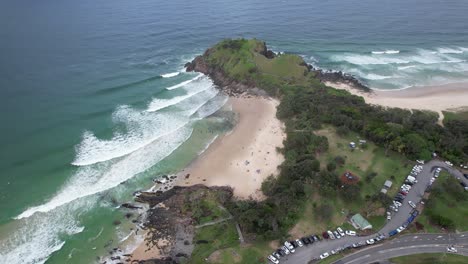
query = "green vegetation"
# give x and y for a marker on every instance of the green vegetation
(220, 244)
(320, 123)
(447, 206)
(205, 206)
(433, 258)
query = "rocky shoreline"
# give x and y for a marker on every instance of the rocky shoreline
(234, 88)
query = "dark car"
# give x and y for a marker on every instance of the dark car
(415, 213)
(281, 252)
(277, 255)
(403, 193)
(325, 235)
(305, 240)
(392, 233)
(463, 184)
(295, 245)
(409, 183)
(399, 199)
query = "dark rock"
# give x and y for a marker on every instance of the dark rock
(130, 206)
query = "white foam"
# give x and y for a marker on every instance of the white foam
(94, 179)
(143, 127)
(169, 75)
(372, 76)
(184, 83)
(36, 238)
(449, 51)
(406, 67)
(358, 59)
(386, 52)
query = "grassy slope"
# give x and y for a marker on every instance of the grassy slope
(433, 258)
(223, 246)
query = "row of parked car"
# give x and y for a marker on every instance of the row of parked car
(291, 246)
(404, 190)
(371, 241)
(408, 221)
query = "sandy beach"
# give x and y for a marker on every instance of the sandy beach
(247, 155)
(449, 97)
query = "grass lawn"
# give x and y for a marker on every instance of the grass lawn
(360, 162)
(433, 258)
(445, 203)
(222, 246)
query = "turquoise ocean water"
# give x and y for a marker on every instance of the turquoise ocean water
(94, 102)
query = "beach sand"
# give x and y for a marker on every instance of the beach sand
(247, 155)
(449, 97)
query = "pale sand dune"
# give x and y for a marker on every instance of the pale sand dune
(435, 98)
(244, 157)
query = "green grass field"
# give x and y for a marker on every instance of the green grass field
(222, 246)
(432, 258)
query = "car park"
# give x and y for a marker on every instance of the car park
(299, 243)
(273, 259)
(342, 233)
(350, 233)
(411, 204)
(324, 255)
(370, 241)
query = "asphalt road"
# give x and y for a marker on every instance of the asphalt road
(409, 245)
(307, 253)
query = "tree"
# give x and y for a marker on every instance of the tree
(350, 193)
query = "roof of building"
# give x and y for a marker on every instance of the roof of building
(360, 222)
(388, 184)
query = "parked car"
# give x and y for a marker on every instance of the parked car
(389, 217)
(289, 246)
(281, 252)
(464, 186)
(324, 255)
(411, 204)
(355, 245)
(401, 228)
(336, 234)
(333, 252)
(286, 250)
(325, 235)
(330, 234)
(273, 259)
(299, 243)
(305, 240)
(340, 231)
(392, 233)
(276, 254)
(465, 175)
(350, 233)
(370, 241)
(415, 213)
(294, 243)
(316, 238)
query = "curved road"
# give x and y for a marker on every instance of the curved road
(409, 245)
(307, 253)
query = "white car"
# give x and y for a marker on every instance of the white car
(333, 252)
(401, 228)
(336, 235)
(451, 249)
(286, 250)
(273, 259)
(299, 243)
(411, 204)
(389, 217)
(350, 233)
(370, 241)
(324, 255)
(330, 234)
(289, 246)
(420, 161)
(340, 231)
(449, 163)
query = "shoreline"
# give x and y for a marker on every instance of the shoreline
(241, 158)
(437, 98)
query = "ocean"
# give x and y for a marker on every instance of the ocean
(95, 103)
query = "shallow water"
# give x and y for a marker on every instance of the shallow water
(94, 101)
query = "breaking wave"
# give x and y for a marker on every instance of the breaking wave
(169, 75)
(386, 52)
(184, 83)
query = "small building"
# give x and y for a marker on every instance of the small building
(388, 184)
(352, 145)
(360, 222)
(384, 191)
(362, 141)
